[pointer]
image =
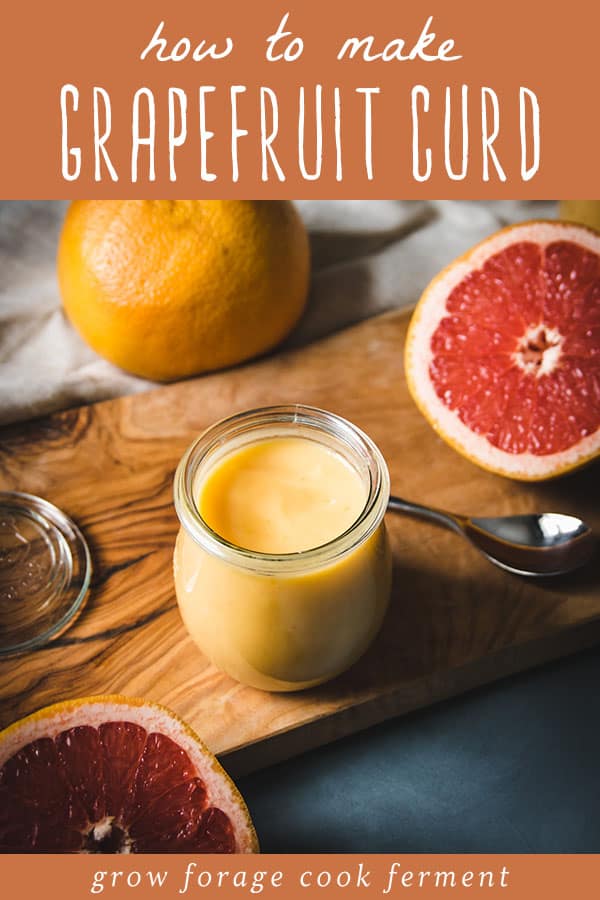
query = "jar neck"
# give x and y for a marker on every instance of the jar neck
(263, 424)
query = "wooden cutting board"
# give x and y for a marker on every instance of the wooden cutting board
(455, 620)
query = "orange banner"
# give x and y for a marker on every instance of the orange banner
(426, 876)
(306, 99)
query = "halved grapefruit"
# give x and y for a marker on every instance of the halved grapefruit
(115, 775)
(503, 351)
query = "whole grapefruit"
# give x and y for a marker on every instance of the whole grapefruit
(503, 351)
(171, 288)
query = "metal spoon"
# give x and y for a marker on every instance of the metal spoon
(536, 545)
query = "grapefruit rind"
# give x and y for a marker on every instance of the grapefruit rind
(429, 312)
(96, 710)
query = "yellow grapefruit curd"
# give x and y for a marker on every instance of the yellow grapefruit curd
(282, 564)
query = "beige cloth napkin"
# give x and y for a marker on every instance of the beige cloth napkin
(369, 256)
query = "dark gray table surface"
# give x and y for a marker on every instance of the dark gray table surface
(514, 767)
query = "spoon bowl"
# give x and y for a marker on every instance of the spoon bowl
(536, 545)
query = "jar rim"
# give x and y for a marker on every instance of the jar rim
(218, 435)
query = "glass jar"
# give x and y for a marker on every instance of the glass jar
(290, 621)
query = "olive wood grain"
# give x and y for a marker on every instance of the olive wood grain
(455, 620)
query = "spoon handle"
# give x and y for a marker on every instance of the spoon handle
(438, 516)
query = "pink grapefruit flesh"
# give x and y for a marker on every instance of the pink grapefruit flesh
(503, 351)
(109, 774)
